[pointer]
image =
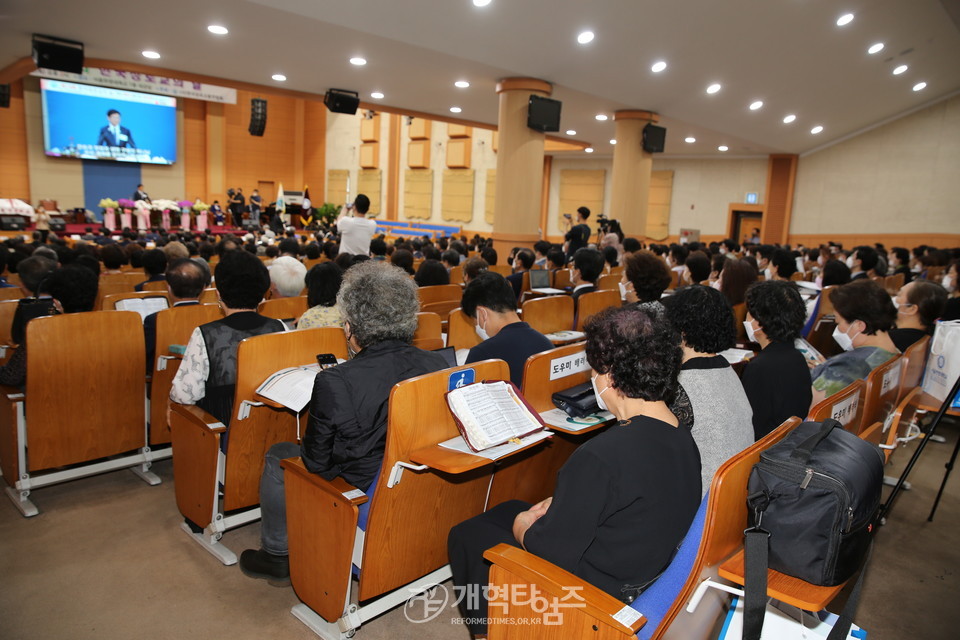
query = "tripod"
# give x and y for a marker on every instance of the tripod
(885, 508)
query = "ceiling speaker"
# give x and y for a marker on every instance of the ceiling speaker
(57, 54)
(258, 116)
(342, 101)
(654, 138)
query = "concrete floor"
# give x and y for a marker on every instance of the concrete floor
(106, 559)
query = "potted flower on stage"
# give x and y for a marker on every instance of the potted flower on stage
(126, 218)
(143, 214)
(109, 207)
(185, 207)
(165, 207)
(201, 210)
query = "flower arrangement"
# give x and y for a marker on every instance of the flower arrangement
(199, 206)
(184, 204)
(160, 205)
(126, 203)
(108, 203)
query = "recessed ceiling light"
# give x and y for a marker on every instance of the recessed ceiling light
(585, 37)
(461, 84)
(658, 66)
(723, 147)
(920, 86)
(481, 3)
(713, 88)
(845, 19)
(613, 141)
(153, 55)
(376, 95)
(875, 48)
(571, 132)
(601, 117)
(588, 150)
(279, 77)
(358, 61)
(896, 71)
(756, 105)
(455, 109)
(216, 29)
(788, 119)
(689, 139)
(817, 129)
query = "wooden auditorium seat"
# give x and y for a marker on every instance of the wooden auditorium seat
(110, 301)
(661, 611)
(550, 314)
(561, 279)
(461, 333)
(440, 299)
(914, 363)
(503, 269)
(209, 296)
(590, 303)
(902, 427)
(609, 282)
(456, 275)
(10, 293)
(739, 316)
(174, 326)
(428, 327)
(8, 309)
(403, 548)
(199, 469)
(845, 406)
(113, 284)
(83, 407)
(157, 285)
(881, 392)
(892, 284)
(283, 308)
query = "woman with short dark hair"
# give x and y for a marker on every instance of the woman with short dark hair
(919, 304)
(645, 278)
(431, 273)
(323, 283)
(625, 498)
(777, 380)
(736, 276)
(865, 314)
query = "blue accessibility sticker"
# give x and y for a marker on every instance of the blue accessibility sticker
(461, 378)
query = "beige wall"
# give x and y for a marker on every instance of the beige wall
(902, 177)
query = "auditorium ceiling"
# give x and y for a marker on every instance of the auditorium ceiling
(790, 55)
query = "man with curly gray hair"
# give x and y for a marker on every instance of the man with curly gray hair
(347, 427)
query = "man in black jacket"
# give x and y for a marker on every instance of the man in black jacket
(347, 428)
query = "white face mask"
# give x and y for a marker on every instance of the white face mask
(723, 251)
(598, 394)
(768, 274)
(820, 261)
(481, 331)
(850, 261)
(751, 334)
(623, 290)
(947, 283)
(842, 339)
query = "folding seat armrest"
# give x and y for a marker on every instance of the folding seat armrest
(196, 416)
(557, 583)
(337, 487)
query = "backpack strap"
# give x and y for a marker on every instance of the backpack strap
(756, 547)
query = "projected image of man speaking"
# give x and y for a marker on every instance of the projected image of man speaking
(113, 135)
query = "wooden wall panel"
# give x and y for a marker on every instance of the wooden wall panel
(337, 186)
(250, 159)
(458, 153)
(490, 195)
(195, 150)
(418, 154)
(580, 188)
(370, 155)
(781, 178)
(369, 183)
(419, 129)
(370, 129)
(14, 166)
(418, 194)
(658, 208)
(315, 151)
(457, 201)
(459, 131)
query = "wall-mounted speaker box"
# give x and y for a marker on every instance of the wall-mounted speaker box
(258, 116)
(654, 138)
(342, 101)
(543, 114)
(57, 53)
(4, 96)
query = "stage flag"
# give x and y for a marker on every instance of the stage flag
(306, 199)
(281, 203)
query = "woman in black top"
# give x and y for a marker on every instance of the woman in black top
(777, 380)
(625, 498)
(919, 304)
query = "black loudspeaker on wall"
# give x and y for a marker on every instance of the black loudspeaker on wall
(258, 116)
(57, 53)
(654, 138)
(342, 101)
(4, 96)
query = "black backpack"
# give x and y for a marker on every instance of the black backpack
(814, 498)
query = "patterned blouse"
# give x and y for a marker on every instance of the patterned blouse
(320, 316)
(843, 369)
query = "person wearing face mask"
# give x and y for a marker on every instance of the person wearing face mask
(782, 265)
(865, 314)
(488, 300)
(586, 268)
(764, 252)
(645, 278)
(861, 261)
(899, 260)
(625, 498)
(722, 417)
(697, 268)
(347, 425)
(951, 309)
(777, 380)
(918, 304)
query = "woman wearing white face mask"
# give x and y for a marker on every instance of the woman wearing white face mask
(645, 278)
(951, 310)
(865, 315)
(626, 497)
(918, 304)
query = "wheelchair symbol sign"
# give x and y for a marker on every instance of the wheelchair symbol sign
(461, 379)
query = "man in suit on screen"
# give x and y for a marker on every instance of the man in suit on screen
(113, 135)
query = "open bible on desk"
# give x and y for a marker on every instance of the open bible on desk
(491, 414)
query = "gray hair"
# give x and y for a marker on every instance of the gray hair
(288, 274)
(380, 303)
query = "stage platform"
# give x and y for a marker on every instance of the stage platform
(80, 229)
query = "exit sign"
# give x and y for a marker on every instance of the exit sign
(751, 197)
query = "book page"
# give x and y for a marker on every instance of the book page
(143, 306)
(491, 414)
(291, 387)
(493, 453)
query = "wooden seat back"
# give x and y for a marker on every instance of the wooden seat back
(428, 326)
(209, 296)
(257, 358)
(283, 308)
(914, 362)
(174, 326)
(821, 336)
(110, 301)
(8, 308)
(826, 304)
(394, 555)
(157, 285)
(98, 409)
(460, 331)
(456, 275)
(109, 285)
(739, 316)
(609, 282)
(845, 406)
(893, 283)
(549, 314)
(503, 269)
(10, 293)
(674, 280)
(439, 293)
(561, 279)
(590, 303)
(881, 392)
(886, 434)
